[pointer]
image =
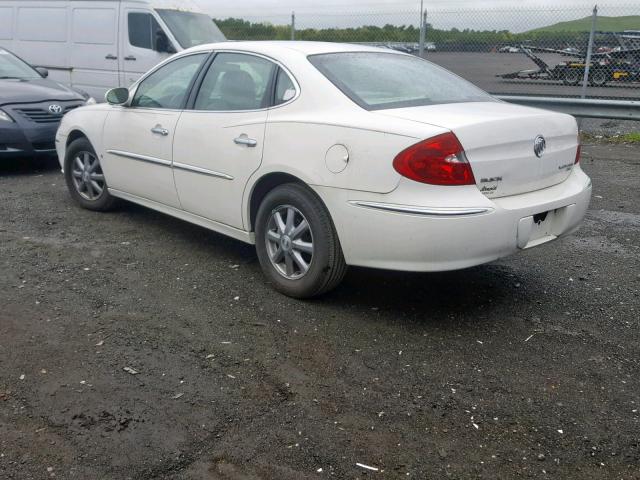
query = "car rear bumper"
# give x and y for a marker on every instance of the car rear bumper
(451, 228)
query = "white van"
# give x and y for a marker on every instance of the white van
(95, 45)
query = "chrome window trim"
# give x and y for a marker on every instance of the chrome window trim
(141, 158)
(203, 171)
(294, 80)
(134, 88)
(424, 211)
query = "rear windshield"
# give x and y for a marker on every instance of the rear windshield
(378, 80)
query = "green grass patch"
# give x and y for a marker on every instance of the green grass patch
(627, 138)
(605, 24)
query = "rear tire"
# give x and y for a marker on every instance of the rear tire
(85, 179)
(599, 78)
(571, 76)
(297, 244)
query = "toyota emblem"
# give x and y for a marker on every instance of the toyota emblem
(55, 109)
(539, 146)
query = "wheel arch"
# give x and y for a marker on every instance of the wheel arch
(78, 124)
(267, 182)
(75, 134)
(262, 187)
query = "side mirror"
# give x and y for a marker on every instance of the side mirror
(163, 45)
(117, 96)
(44, 73)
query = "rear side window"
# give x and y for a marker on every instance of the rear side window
(236, 82)
(378, 80)
(285, 89)
(168, 86)
(142, 30)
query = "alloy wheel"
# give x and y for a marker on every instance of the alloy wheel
(87, 176)
(289, 242)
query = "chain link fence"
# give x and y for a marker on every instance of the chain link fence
(559, 52)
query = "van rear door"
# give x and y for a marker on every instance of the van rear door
(138, 37)
(94, 46)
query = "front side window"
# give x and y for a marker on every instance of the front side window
(236, 82)
(168, 86)
(143, 30)
(386, 80)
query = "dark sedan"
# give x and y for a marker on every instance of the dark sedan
(31, 107)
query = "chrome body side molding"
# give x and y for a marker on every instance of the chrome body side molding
(141, 158)
(168, 163)
(203, 171)
(425, 211)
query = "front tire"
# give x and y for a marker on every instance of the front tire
(85, 179)
(297, 244)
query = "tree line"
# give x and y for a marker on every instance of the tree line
(453, 39)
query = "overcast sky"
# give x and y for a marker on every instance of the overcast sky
(515, 15)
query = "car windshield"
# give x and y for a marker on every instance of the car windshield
(378, 80)
(191, 29)
(13, 67)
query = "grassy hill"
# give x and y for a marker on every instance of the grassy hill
(604, 24)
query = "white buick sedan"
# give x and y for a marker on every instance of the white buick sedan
(326, 155)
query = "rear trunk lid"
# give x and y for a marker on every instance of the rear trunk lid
(499, 140)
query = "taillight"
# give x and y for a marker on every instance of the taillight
(578, 152)
(438, 161)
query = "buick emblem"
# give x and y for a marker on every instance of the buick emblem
(55, 109)
(539, 146)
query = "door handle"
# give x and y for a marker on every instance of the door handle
(111, 57)
(244, 140)
(130, 57)
(160, 131)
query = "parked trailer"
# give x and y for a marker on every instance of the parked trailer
(619, 65)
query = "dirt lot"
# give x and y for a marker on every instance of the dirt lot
(525, 368)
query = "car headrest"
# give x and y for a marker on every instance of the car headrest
(238, 90)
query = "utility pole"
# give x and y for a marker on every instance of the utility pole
(587, 67)
(422, 29)
(587, 61)
(424, 22)
(293, 25)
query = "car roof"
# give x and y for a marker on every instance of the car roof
(284, 47)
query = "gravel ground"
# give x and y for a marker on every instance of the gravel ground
(524, 368)
(608, 128)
